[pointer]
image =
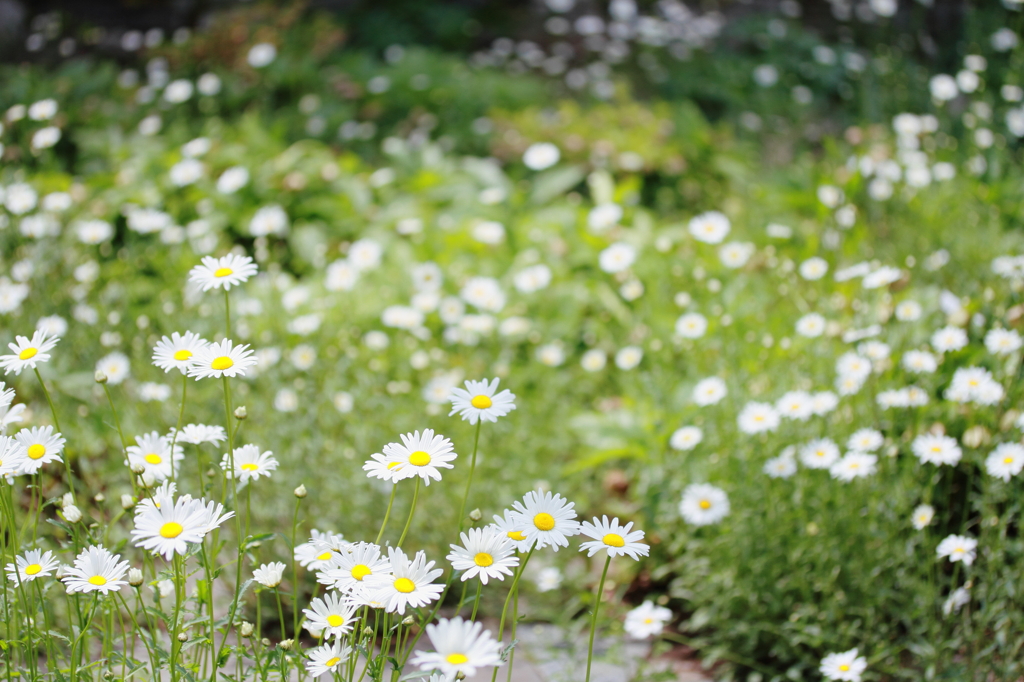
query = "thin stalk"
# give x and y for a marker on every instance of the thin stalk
(56, 425)
(295, 570)
(412, 509)
(476, 602)
(179, 588)
(593, 621)
(387, 514)
(469, 481)
(511, 591)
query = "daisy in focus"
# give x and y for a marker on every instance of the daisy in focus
(27, 352)
(511, 524)
(96, 570)
(617, 539)
(419, 455)
(169, 529)
(222, 359)
(269, 575)
(329, 616)
(410, 582)
(318, 551)
(41, 446)
(177, 351)
(248, 464)
(361, 563)
(478, 401)
(460, 648)
(222, 273)
(31, 565)
(326, 659)
(153, 453)
(547, 519)
(485, 553)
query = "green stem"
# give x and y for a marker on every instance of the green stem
(280, 615)
(593, 621)
(412, 510)
(469, 481)
(56, 425)
(295, 571)
(476, 602)
(179, 588)
(511, 590)
(387, 514)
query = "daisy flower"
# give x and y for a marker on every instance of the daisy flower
(1005, 461)
(958, 548)
(711, 227)
(478, 402)
(9, 415)
(96, 570)
(211, 515)
(409, 583)
(782, 466)
(949, 339)
(169, 529)
(512, 524)
(709, 391)
(41, 446)
(919, 362)
(703, 504)
(31, 565)
(222, 273)
(420, 455)
(177, 352)
(647, 620)
(865, 440)
(248, 464)
(115, 366)
(819, 454)
(691, 325)
(846, 666)
(798, 405)
(28, 352)
(460, 647)
(686, 438)
(618, 540)
(221, 359)
(935, 449)
(853, 465)
(329, 616)
(196, 434)
(548, 520)
(485, 553)
(1002, 341)
(320, 549)
(922, 516)
(384, 467)
(269, 575)
(153, 452)
(326, 659)
(350, 569)
(757, 418)
(12, 458)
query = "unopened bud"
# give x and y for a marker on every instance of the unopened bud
(147, 479)
(368, 632)
(476, 515)
(246, 629)
(134, 577)
(408, 620)
(460, 675)
(72, 514)
(99, 497)
(265, 642)
(62, 572)
(182, 636)
(127, 502)
(286, 644)
(241, 413)
(300, 492)
(67, 500)
(100, 377)
(138, 468)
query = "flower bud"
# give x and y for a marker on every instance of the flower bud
(72, 514)
(286, 644)
(265, 642)
(134, 577)
(460, 675)
(138, 468)
(241, 413)
(67, 500)
(300, 492)
(100, 377)
(147, 479)
(62, 572)
(247, 628)
(368, 632)
(99, 497)
(127, 502)
(182, 637)
(475, 515)
(408, 620)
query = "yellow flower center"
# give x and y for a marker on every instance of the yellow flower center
(182, 355)
(1006, 460)
(33, 569)
(222, 363)
(613, 540)
(331, 662)
(335, 621)
(483, 559)
(705, 504)
(249, 467)
(481, 402)
(97, 580)
(360, 571)
(222, 272)
(324, 557)
(404, 585)
(35, 451)
(517, 535)
(419, 459)
(544, 521)
(457, 659)
(153, 458)
(844, 667)
(392, 465)
(936, 448)
(171, 530)
(28, 353)
(648, 621)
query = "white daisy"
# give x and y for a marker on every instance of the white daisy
(922, 516)
(153, 452)
(1005, 461)
(686, 438)
(691, 325)
(485, 553)
(221, 359)
(618, 540)
(196, 434)
(420, 455)
(617, 257)
(384, 467)
(703, 504)
(248, 464)
(28, 352)
(846, 666)
(317, 552)
(41, 446)
(211, 515)
(410, 582)
(709, 391)
(919, 362)
(949, 339)
(865, 440)
(31, 565)
(853, 465)
(757, 418)
(647, 620)
(512, 524)
(798, 405)
(936, 449)
(326, 658)
(1002, 341)
(331, 615)
(711, 227)
(547, 519)
(12, 458)
(269, 575)
(115, 366)
(782, 466)
(478, 401)
(96, 570)
(169, 529)
(222, 273)
(958, 548)
(821, 453)
(461, 647)
(348, 569)
(177, 352)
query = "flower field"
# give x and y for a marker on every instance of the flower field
(692, 325)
